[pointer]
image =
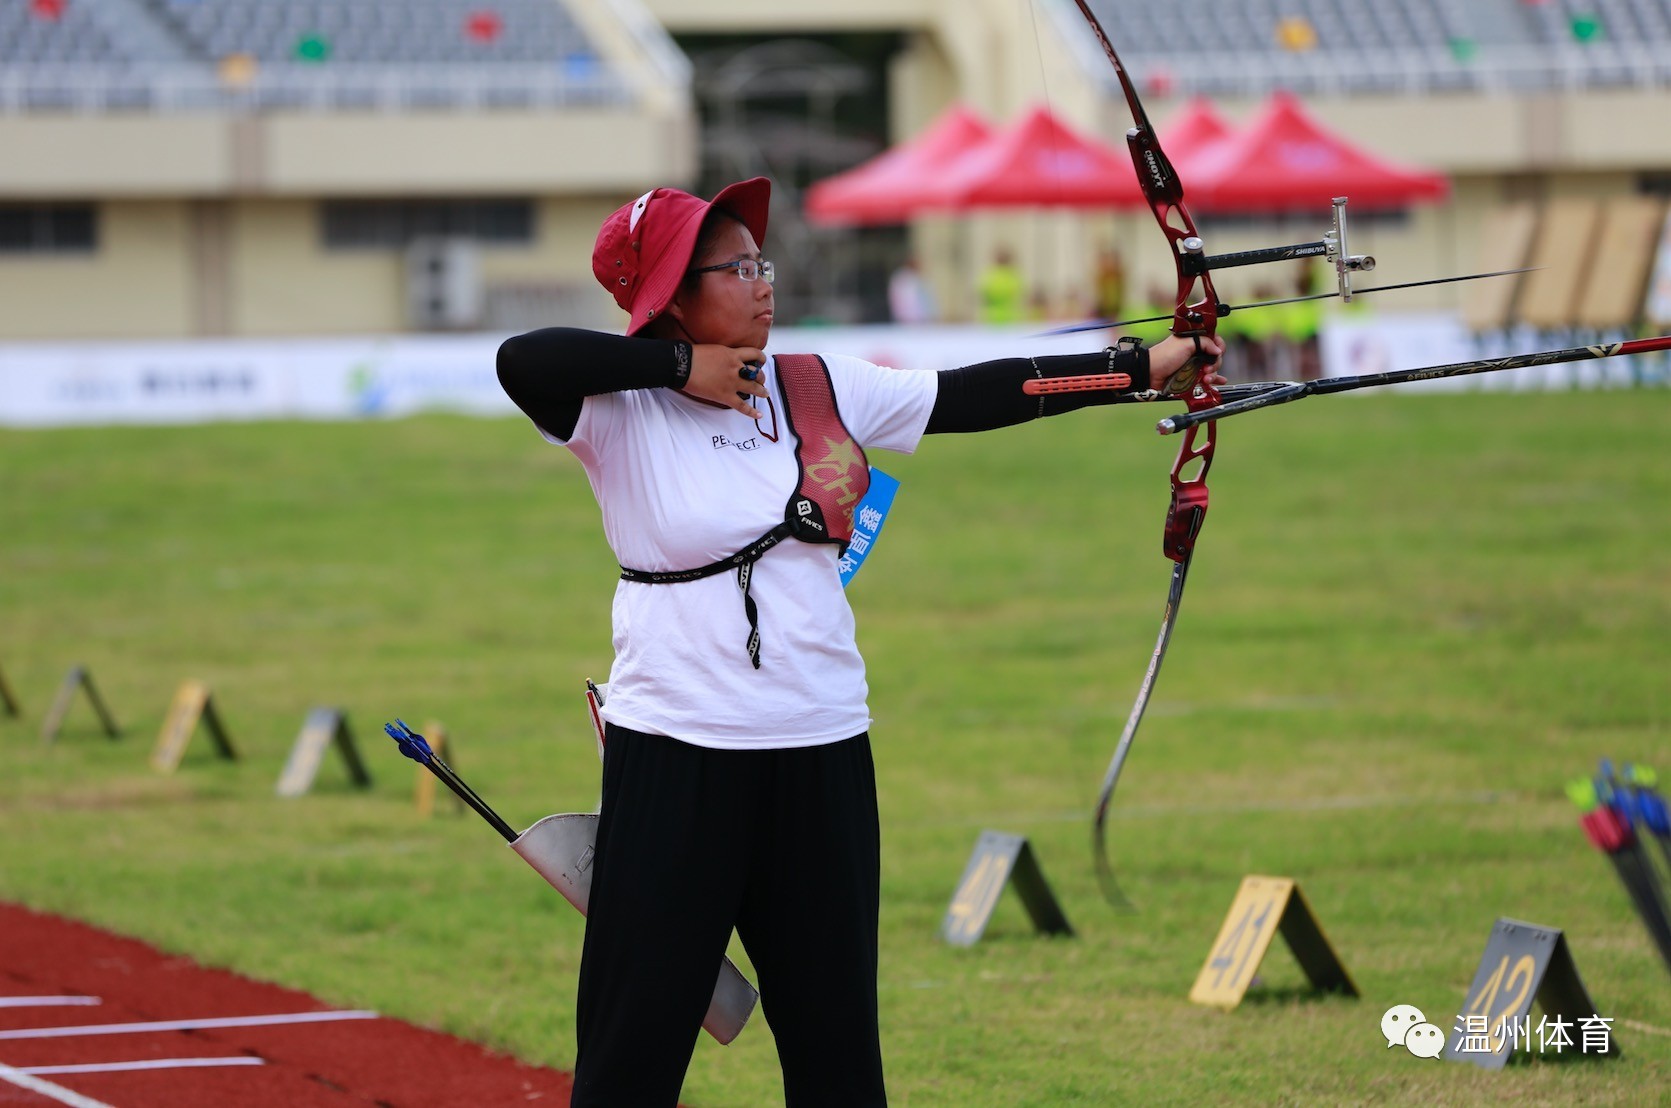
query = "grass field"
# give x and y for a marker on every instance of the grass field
(1411, 619)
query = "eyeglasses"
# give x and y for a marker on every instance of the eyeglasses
(771, 414)
(748, 269)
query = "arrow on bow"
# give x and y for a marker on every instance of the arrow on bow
(1270, 393)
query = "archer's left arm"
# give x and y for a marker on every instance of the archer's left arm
(988, 395)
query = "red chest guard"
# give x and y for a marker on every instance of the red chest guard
(834, 471)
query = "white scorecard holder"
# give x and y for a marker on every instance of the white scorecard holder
(560, 849)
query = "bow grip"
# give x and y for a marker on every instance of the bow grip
(1188, 509)
(1187, 377)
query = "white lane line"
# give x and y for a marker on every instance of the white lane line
(48, 1089)
(148, 1064)
(1299, 804)
(46, 1001)
(183, 1025)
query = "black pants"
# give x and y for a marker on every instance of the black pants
(783, 845)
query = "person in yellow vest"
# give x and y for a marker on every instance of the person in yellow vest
(1109, 285)
(1003, 292)
(739, 790)
(1265, 352)
(1302, 324)
(1233, 329)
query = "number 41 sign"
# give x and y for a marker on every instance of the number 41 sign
(1264, 908)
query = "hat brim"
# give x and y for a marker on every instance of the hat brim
(750, 201)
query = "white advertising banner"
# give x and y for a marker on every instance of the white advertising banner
(54, 384)
(187, 381)
(64, 384)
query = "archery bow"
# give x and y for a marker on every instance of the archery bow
(1195, 316)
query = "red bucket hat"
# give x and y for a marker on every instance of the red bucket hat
(644, 248)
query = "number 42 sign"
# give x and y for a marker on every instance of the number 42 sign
(1522, 963)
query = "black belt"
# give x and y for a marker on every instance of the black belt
(742, 561)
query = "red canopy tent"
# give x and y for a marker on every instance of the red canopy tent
(1284, 160)
(959, 162)
(1038, 162)
(888, 187)
(1192, 132)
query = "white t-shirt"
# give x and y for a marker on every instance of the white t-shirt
(683, 484)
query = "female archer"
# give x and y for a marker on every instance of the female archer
(738, 786)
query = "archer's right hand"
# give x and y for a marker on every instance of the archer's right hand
(717, 376)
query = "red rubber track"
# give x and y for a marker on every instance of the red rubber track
(352, 1063)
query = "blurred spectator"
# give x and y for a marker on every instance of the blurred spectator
(1110, 285)
(1003, 295)
(910, 300)
(1301, 324)
(1264, 350)
(1039, 309)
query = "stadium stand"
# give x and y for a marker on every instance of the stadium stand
(270, 166)
(379, 31)
(261, 167)
(75, 36)
(1345, 47)
(238, 54)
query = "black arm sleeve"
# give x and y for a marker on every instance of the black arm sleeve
(988, 395)
(549, 373)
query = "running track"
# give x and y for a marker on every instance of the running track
(71, 994)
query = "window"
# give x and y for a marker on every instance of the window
(1654, 184)
(391, 224)
(48, 228)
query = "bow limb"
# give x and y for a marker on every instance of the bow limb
(1196, 311)
(1195, 316)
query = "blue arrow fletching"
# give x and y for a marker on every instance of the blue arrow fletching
(1623, 802)
(410, 742)
(1650, 806)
